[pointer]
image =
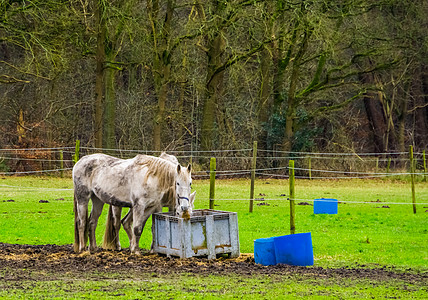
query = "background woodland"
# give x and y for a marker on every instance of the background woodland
(316, 76)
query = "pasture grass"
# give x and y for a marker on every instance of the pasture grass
(361, 234)
(382, 231)
(153, 286)
(371, 233)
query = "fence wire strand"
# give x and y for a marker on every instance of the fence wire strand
(237, 154)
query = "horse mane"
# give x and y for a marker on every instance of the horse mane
(169, 157)
(162, 169)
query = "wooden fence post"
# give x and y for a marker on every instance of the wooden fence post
(412, 178)
(292, 204)
(212, 181)
(388, 165)
(61, 162)
(76, 155)
(310, 167)
(253, 175)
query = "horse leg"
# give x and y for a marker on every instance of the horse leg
(127, 225)
(117, 212)
(139, 221)
(97, 208)
(81, 218)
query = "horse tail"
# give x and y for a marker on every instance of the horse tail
(76, 227)
(110, 236)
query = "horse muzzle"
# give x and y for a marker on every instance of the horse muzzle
(185, 215)
(184, 208)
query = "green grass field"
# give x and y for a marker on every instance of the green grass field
(188, 286)
(375, 227)
(378, 233)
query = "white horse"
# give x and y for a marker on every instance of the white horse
(143, 183)
(178, 206)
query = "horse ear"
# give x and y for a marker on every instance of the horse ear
(178, 168)
(189, 168)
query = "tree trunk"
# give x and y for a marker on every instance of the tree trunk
(180, 103)
(161, 65)
(424, 81)
(20, 129)
(388, 106)
(265, 100)
(403, 100)
(292, 101)
(420, 115)
(99, 75)
(281, 61)
(110, 103)
(214, 91)
(376, 118)
(159, 119)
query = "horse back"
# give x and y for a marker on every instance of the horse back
(89, 164)
(119, 181)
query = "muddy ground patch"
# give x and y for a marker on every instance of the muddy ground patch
(56, 259)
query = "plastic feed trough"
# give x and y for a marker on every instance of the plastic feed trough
(325, 206)
(207, 233)
(264, 251)
(293, 249)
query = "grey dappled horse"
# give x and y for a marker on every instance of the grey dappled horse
(179, 206)
(144, 184)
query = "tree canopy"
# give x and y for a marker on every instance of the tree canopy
(179, 74)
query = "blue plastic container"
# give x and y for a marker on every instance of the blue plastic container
(325, 206)
(294, 249)
(264, 252)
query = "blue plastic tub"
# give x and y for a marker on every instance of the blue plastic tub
(325, 206)
(264, 252)
(294, 249)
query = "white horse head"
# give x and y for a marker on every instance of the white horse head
(183, 203)
(184, 197)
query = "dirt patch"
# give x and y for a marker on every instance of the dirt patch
(62, 259)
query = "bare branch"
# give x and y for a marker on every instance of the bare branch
(10, 79)
(24, 72)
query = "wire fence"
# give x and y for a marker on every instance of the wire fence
(230, 163)
(5, 189)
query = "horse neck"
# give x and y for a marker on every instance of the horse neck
(168, 198)
(161, 169)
